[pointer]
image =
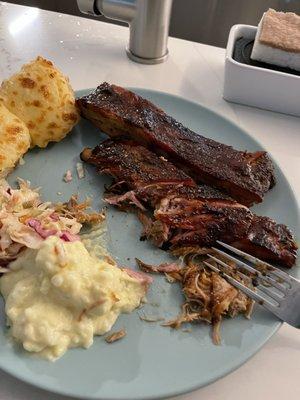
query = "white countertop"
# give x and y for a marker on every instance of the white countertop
(90, 52)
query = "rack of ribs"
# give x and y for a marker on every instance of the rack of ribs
(176, 212)
(118, 112)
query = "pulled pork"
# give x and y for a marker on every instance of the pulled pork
(208, 296)
(161, 268)
(74, 209)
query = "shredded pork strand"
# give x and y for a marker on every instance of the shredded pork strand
(150, 318)
(114, 336)
(124, 199)
(165, 267)
(216, 332)
(73, 208)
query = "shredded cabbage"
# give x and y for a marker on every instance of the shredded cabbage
(26, 221)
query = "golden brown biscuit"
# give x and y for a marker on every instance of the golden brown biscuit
(14, 140)
(41, 96)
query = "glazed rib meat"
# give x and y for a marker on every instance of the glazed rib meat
(118, 112)
(181, 213)
(139, 168)
(269, 241)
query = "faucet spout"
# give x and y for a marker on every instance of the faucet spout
(120, 10)
(148, 21)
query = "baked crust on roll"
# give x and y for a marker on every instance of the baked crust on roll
(14, 140)
(41, 96)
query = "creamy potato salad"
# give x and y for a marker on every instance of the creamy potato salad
(59, 296)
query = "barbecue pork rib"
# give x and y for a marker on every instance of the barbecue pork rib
(118, 112)
(183, 213)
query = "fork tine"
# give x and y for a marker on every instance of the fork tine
(257, 273)
(242, 275)
(269, 292)
(257, 261)
(250, 293)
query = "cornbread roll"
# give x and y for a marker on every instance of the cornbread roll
(14, 140)
(41, 96)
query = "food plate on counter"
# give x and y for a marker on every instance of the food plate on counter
(187, 359)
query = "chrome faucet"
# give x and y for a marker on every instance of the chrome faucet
(148, 21)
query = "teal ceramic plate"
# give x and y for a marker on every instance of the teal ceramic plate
(151, 362)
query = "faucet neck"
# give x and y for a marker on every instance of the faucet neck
(149, 31)
(148, 24)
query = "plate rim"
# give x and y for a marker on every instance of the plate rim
(246, 355)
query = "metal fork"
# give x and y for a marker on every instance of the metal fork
(275, 290)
